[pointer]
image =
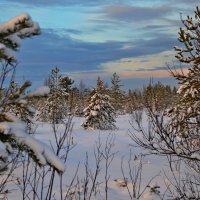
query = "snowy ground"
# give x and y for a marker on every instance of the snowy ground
(85, 142)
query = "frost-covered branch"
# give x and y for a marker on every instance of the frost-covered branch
(16, 130)
(11, 33)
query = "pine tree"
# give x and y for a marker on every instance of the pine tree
(19, 110)
(178, 135)
(66, 83)
(11, 33)
(55, 109)
(117, 95)
(186, 115)
(158, 97)
(100, 113)
(134, 101)
(12, 127)
(80, 99)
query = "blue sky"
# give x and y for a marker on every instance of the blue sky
(90, 38)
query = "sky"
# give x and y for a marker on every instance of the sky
(90, 38)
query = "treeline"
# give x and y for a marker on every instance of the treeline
(68, 98)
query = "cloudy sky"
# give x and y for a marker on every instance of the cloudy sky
(90, 38)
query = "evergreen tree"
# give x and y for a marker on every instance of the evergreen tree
(63, 83)
(158, 97)
(14, 101)
(19, 110)
(134, 101)
(11, 33)
(117, 95)
(55, 107)
(66, 86)
(66, 83)
(100, 113)
(178, 135)
(81, 97)
(186, 114)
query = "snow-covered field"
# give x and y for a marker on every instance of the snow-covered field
(86, 140)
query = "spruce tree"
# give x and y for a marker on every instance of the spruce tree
(55, 109)
(158, 97)
(183, 125)
(134, 101)
(117, 95)
(186, 114)
(178, 135)
(81, 97)
(100, 113)
(14, 100)
(11, 33)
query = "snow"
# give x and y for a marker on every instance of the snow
(2, 46)
(94, 113)
(12, 24)
(3, 152)
(14, 38)
(31, 30)
(151, 196)
(96, 118)
(41, 151)
(13, 31)
(7, 52)
(86, 142)
(3, 155)
(178, 48)
(41, 91)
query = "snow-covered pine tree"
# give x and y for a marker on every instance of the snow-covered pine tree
(117, 95)
(186, 114)
(19, 110)
(54, 109)
(178, 137)
(13, 131)
(100, 113)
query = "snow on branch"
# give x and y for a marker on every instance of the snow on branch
(41, 91)
(43, 153)
(6, 53)
(11, 33)
(23, 24)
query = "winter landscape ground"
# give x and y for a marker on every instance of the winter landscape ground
(65, 141)
(85, 142)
